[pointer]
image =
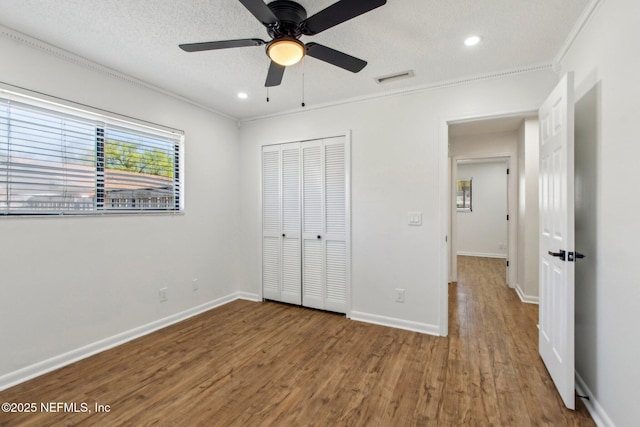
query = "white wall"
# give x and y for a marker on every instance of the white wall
(528, 238)
(482, 146)
(483, 230)
(68, 282)
(398, 165)
(606, 64)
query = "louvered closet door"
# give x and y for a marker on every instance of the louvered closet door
(271, 223)
(281, 251)
(325, 224)
(291, 250)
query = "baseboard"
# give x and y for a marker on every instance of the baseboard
(392, 322)
(482, 254)
(24, 374)
(247, 296)
(529, 299)
(598, 414)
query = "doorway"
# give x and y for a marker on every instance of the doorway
(477, 141)
(514, 137)
(481, 215)
(554, 209)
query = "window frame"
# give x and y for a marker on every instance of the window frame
(100, 120)
(465, 207)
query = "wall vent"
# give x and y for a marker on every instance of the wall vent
(396, 76)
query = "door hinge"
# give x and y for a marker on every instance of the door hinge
(507, 217)
(507, 263)
(507, 171)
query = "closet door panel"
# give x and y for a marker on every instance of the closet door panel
(291, 190)
(312, 209)
(336, 224)
(291, 271)
(336, 272)
(271, 274)
(313, 277)
(335, 190)
(271, 219)
(271, 223)
(291, 248)
(313, 274)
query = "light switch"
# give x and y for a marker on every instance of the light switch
(415, 218)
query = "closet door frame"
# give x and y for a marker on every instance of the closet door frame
(347, 142)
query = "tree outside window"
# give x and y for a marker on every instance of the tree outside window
(463, 196)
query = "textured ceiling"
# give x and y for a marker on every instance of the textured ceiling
(140, 38)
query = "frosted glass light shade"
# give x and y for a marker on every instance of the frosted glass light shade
(286, 51)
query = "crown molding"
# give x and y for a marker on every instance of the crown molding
(411, 90)
(587, 13)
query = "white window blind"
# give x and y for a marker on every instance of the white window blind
(57, 160)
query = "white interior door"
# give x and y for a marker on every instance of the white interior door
(557, 269)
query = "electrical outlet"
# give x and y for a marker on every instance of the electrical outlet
(399, 295)
(163, 294)
(195, 285)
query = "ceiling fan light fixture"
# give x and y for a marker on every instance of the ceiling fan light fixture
(286, 21)
(285, 51)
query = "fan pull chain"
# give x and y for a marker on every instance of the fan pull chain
(303, 81)
(267, 93)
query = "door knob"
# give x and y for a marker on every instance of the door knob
(575, 255)
(562, 254)
(284, 235)
(319, 237)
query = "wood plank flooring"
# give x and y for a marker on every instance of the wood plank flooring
(268, 364)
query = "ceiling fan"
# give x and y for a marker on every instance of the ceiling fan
(286, 21)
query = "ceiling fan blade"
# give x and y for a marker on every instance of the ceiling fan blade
(338, 13)
(335, 57)
(224, 44)
(274, 76)
(261, 11)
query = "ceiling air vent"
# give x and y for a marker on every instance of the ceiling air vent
(394, 77)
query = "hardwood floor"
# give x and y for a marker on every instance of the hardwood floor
(260, 364)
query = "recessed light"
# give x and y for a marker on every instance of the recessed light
(242, 95)
(472, 41)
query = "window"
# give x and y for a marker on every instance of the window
(59, 160)
(463, 195)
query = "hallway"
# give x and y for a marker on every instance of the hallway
(493, 354)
